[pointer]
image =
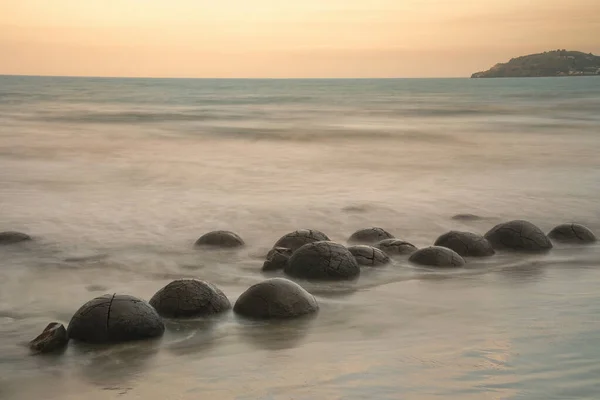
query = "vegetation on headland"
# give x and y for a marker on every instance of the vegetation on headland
(549, 63)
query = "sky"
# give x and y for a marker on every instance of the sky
(285, 39)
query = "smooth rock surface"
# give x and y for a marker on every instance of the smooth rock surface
(115, 318)
(223, 239)
(53, 338)
(369, 236)
(189, 298)
(369, 256)
(466, 244)
(436, 256)
(295, 240)
(275, 298)
(572, 233)
(277, 259)
(396, 247)
(518, 235)
(11, 237)
(323, 261)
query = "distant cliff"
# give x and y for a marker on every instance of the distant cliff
(550, 63)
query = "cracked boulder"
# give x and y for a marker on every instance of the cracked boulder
(185, 298)
(295, 240)
(277, 258)
(396, 247)
(369, 236)
(11, 237)
(466, 244)
(275, 298)
(53, 338)
(572, 233)
(437, 256)
(223, 239)
(323, 261)
(114, 318)
(369, 256)
(518, 235)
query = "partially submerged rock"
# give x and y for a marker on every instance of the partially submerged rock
(572, 233)
(466, 217)
(277, 259)
(466, 244)
(295, 240)
(396, 247)
(518, 235)
(369, 236)
(11, 237)
(115, 318)
(53, 338)
(369, 256)
(323, 261)
(184, 298)
(223, 239)
(275, 299)
(436, 256)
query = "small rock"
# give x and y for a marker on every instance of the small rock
(277, 259)
(396, 247)
(223, 239)
(572, 233)
(184, 298)
(295, 240)
(369, 256)
(436, 256)
(53, 338)
(518, 235)
(370, 236)
(13, 237)
(466, 244)
(467, 217)
(323, 261)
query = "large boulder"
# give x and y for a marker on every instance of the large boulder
(369, 256)
(223, 239)
(115, 318)
(53, 338)
(295, 240)
(466, 244)
(396, 247)
(572, 233)
(436, 256)
(322, 261)
(184, 298)
(277, 258)
(11, 237)
(274, 299)
(369, 236)
(518, 235)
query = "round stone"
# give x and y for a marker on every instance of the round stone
(277, 258)
(396, 247)
(184, 298)
(466, 244)
(572, 233)
(369, 256)
(115, 318)
(323, 261)
(224, 239)
(295, 240)
(370, 236)
(13, 237)
(275, 298)
(518, 235)
(436, 256)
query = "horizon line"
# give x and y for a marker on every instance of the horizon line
(224, 78)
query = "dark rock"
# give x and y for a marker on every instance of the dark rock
(467, 217)
(322, 261)
(189, 298)
(275, 298)
(115, 318)
(224, 239)
(299, 238)
(466, 244)
(370, 256)
(436, 256)
(572, 233)
(53, 338)
(370, 236)
(13, 237)
(518, 235)
(396, 247)
(277, 259)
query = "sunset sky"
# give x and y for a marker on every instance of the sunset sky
(279, 38)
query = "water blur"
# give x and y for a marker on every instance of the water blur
(116, 178)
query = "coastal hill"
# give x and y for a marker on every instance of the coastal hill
(550, 63)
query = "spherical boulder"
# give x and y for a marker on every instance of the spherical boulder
(466, 244)
(369, 256)
(295, 240)
(275, 298)
(518, 235)
(11, 237)
(277, 258)
(572, 233)
(322, 261)
(396, 247)
(223, 239)
(437, 256)
(184, 298)
(114, 318)
(369, 236)
(53, 338)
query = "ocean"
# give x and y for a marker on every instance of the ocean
(116, 178)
